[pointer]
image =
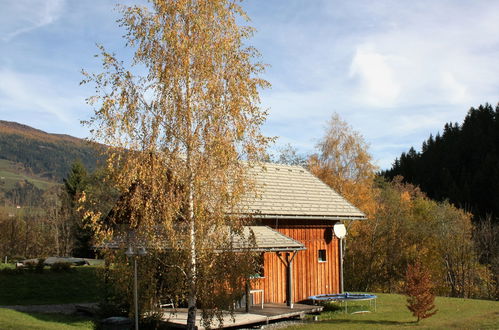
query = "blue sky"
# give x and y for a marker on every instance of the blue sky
(396, 71)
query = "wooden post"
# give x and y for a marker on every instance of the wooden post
(288, 262)
(289, 274)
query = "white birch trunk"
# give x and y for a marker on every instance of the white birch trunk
(192, 296)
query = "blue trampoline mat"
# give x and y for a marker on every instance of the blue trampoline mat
(343, 297)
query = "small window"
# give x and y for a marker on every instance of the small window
(322, 256)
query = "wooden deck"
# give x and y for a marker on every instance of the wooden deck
(271, 312)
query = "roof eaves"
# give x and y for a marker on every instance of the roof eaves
(309, 217)
(273, 249)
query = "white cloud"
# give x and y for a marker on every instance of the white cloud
(379, 86)
(436, 52)
(21, 16)
(456, 91)
(21, 92)
(395, 70)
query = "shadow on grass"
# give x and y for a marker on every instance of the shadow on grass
(29, 288)
(366, 322)
(60, 318)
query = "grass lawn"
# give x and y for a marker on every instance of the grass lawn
(8, 266)
(29, 288)
(392, 313)
(10, 319)
(10, 174)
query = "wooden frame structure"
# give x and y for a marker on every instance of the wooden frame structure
(295, 203)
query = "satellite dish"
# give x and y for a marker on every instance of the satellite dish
(339, 230)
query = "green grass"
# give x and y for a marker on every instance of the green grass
(7, 266)
(453, 313)
(21, 212)
(29, 288)
(10, 174)
(10, 319)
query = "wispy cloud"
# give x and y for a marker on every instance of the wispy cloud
(395, 70)
(436, 52)
(22, 92)
(21, 16)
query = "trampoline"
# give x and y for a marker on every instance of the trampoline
(346, 297)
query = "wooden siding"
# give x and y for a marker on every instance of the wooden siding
(310, 277)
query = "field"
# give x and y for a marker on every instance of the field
(10, 319)
(29, 288)
(10, 173)
(453, 313)
(77, 286)
(81, 285)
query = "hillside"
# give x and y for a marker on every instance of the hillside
(32, 161)
(40, 154)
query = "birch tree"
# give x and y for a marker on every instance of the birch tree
(178, 120)
(343, 162)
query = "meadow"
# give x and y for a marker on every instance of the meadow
(81, 285)
(391, 312)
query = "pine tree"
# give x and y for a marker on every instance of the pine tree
(76, 181)
(75, 185)
(419, 291)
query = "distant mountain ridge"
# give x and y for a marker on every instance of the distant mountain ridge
(12, 127)
(43, 154)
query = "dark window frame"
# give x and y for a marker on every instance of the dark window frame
(322, 255)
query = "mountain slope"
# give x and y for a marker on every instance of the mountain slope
(42, 155)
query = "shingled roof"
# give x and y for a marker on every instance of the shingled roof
(266, 240)
(287, 191)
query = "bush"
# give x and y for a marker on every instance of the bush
(30, 266)
(61, 267)
(17, 258)
(40, 265)
(420, 298)
(11, 271)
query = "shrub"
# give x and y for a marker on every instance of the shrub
(17, 258)
(40, 265)
(61, 267)
(11, 271)
(419, 290)
(30, 266)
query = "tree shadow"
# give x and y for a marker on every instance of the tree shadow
(366, 322)
(60, 318)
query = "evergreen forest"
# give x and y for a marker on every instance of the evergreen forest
(460, 165)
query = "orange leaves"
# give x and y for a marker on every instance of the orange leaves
(178, 121)
(419, 291)
(344, 163)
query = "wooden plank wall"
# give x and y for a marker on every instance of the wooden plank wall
(310, 277)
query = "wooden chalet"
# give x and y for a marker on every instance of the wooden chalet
(297, 205)
(293, 213)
